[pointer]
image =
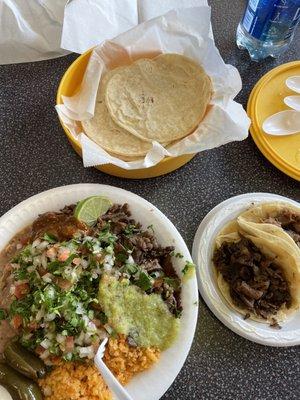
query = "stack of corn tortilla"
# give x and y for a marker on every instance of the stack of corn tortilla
(161, 99)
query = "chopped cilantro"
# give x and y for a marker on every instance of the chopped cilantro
(129, 230)
(122, 257)
(103, 318)
(50, 238)
(150, 228)
(130, 269)
(174, 282)
(106, 236)
(144, 281)
(21, 273)
(178, 313)
(177, 255)
(2, 314)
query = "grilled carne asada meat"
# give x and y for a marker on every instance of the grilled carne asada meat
(289, 221)
(257, 284)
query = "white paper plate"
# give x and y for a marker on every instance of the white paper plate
(151, 384)
(203, 245)
(4, 395)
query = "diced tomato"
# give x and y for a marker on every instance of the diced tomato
(21, 290)
(69, 343)
(33, 326)
(96, 322)
(55, 359)
(39, 350)
(24, 240)
(76, 261)
(158, 282)
(51, 253)
(63, 255)
(16, 321)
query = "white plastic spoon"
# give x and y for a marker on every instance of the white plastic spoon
(293, 83)
(283, 123)
(109, 378)
(293, 102)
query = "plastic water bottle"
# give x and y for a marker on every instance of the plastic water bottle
(268, 27)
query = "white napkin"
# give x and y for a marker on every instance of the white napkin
(183, 31)
(88, 23)
(37, 29)
(30, 30)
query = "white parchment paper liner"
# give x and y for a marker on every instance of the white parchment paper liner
(184, 31)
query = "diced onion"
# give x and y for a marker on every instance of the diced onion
(42, 245)
(35, 243)
(47, 391)
(88, 352)
(40, 314)
(60, 338)
(50, 317)
(47, 277)
(46, 343)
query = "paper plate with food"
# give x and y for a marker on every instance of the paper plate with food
(159, 90)
(247, 250)
(84, 264)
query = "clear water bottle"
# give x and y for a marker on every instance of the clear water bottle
(268, 27)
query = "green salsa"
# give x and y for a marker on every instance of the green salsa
(188, 271)
(145, 318)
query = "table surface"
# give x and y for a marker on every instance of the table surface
(35, 156)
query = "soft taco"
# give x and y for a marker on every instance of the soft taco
(277, 218)
(258, 273)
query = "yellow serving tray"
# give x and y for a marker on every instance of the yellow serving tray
(69, 85)
(266, 99)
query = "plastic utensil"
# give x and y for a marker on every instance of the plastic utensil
(111, 381)
(293, 83)
(283, 123)
(293, 102)
(266, 99)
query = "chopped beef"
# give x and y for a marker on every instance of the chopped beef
(69, 210)
(152, 266)
(119, 217)
(256, 283)
(295, 236)
(289, 221)
(6, 284)
(274, 324)
(248, 291)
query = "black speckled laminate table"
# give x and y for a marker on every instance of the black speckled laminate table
(35, 155)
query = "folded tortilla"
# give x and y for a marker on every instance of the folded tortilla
(272, 246)
(264, 217)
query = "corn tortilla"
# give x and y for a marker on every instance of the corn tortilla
(161, 99)
(111, 137)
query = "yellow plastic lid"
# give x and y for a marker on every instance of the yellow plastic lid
(266, 99)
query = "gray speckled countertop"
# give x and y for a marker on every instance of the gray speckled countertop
(35, 155)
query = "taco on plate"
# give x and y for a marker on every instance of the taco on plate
(257, 272)
(278, 218)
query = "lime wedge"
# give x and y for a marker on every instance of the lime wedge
(90, 209)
